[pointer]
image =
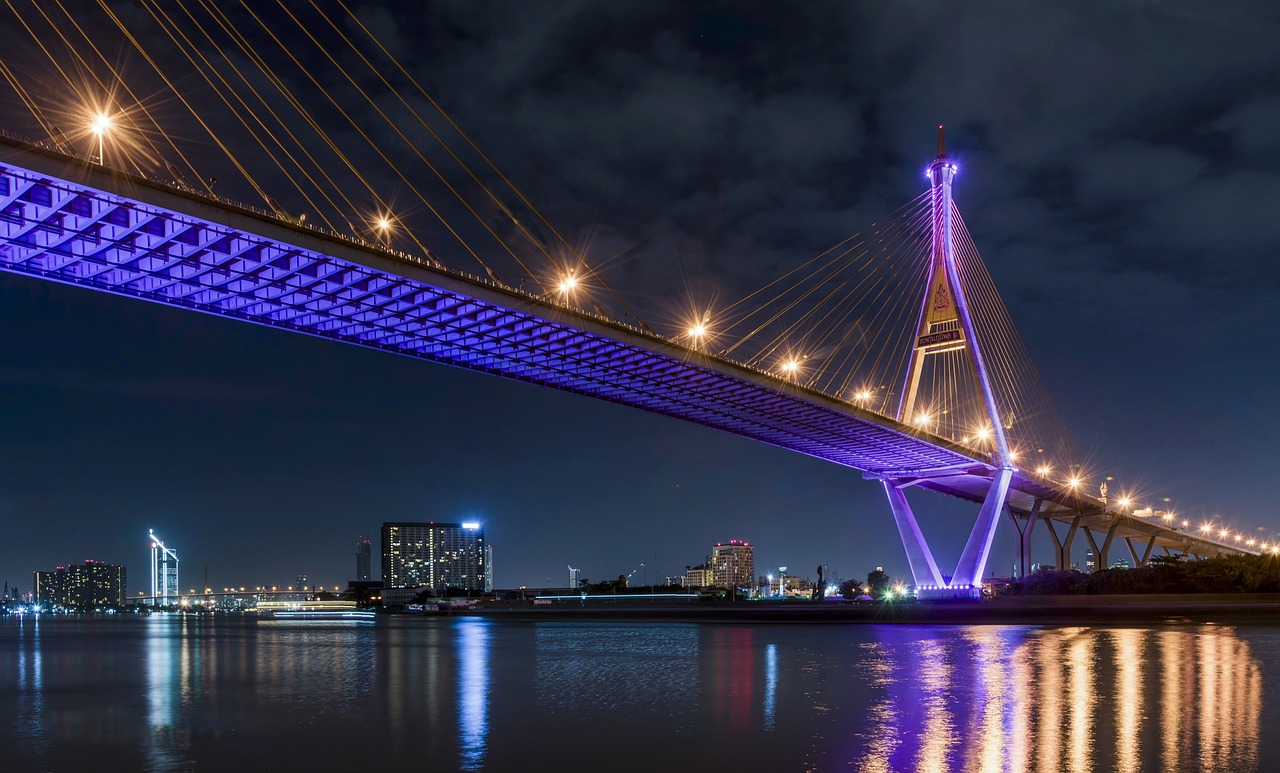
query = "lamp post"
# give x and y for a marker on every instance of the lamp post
(100, 126)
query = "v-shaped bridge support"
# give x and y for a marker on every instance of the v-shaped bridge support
(966, 581)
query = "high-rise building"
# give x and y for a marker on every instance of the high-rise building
(86, 587)
(699, 577)
(437, 555)
(50, 590)
(733, 564)
(164, 572)
(488, 568)
(364, 551)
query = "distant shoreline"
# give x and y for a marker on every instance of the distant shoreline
(1248, 608)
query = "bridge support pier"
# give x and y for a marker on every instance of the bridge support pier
(1100, 554)
(1025, 530)
(966, 583)
(1063, 546)
(1146, 554)
(924, 570)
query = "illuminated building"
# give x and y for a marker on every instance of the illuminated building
(364, 552)
(164, 572)
(86, 587)
(488, 568)
(50, 589)
(699, 577)
(436, 555)
(733, 564)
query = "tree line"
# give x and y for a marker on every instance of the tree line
(1162, 574)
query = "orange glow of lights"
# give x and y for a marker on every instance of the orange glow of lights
(101, 124)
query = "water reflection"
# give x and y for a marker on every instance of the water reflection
(631, 672)
(770, 684)
(173, 693)
(991, 699)
(473, 691)
(30, 684)
(163, 682)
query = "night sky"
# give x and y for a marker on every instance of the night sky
(1117, 170)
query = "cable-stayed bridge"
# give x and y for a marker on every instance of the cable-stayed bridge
(890, 353)
(72, 220)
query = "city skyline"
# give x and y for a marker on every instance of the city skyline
(1128, 241)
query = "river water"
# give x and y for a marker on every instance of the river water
(169, 692)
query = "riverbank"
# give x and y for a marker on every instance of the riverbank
(1251, 608)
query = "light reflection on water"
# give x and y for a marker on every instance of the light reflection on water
(172, 693)
(473, 691)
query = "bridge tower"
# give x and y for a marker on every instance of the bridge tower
(946, 325)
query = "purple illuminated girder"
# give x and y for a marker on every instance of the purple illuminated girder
(165, 246)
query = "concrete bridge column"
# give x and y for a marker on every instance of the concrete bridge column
(1146, 554)
(1063, 546)
(1100, 553)
(1024, 531)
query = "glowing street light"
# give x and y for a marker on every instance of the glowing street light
(1124, 502)
(923, 420)
(100, 125)
(1074, 482)
(568, 284)
(1044, 469)
(383, 225)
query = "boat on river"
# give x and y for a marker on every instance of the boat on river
(313, 610)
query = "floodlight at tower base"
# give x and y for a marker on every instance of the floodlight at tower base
(949, 593)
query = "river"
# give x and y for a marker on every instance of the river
(172, 692)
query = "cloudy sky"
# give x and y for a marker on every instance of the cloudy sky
(1117, 166)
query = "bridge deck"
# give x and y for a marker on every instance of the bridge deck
(69, 221)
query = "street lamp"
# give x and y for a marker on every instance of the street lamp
(100, 125)
(568, 284)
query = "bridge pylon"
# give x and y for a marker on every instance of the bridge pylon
(946, 325)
